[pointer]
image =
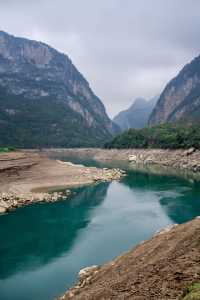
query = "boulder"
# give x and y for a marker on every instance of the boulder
(190, 151)
(148, 161)
(4, 204)
(132, 158)
(83, 273)
(2, 210)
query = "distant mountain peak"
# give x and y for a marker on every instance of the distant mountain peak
(138, 102)
(137, 115)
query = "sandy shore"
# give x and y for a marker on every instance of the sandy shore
(26, 177)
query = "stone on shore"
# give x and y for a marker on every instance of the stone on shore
(10, 201)
(132, 158)
(84, 273)
(2, 210)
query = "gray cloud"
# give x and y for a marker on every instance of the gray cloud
(125, 48)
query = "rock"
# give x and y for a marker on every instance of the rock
(166, 229)
(71, 295)
(86, 272)
(148, 161)
(2, 210)
(4, 204)
(132, 158)
(190, 151)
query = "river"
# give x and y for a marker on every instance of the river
(43, 246)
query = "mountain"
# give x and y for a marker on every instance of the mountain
(180, 100)
(137, 115)
(45, 100)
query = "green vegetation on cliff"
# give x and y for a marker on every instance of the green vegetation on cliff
(45, 101)
(27, 123)
(165, 136)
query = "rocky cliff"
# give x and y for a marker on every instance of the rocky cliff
(137, 115)
(180, 100)
(44, 100)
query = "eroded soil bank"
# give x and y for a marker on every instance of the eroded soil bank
(160, 269)
(26, 177)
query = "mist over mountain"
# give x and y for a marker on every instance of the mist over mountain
(137, 115)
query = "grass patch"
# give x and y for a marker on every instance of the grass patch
(192, 292)
(7, 149)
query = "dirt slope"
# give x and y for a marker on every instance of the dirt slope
(160, 268)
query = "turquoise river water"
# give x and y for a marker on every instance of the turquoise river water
(44, 246)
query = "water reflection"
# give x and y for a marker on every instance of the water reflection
(178, 195)
(35, 235)
(185, 206)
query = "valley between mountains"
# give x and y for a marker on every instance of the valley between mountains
(78, 189)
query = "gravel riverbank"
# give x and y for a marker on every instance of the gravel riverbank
(27, 177)
(179, 159)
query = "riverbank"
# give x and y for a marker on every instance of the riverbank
(178, 159)
(28, 177)
(161, 269)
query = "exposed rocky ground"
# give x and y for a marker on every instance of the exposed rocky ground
(158, 269)
(27, 177)
(178, 159)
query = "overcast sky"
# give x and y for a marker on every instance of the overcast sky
(124, 48)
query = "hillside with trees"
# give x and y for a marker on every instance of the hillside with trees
(164, 136)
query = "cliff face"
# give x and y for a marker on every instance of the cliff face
(44, 100)
(137, 115)
(180, 100)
